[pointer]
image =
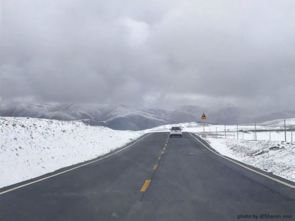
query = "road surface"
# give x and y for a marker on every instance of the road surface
(157, 178)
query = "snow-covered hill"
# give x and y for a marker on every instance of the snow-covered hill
(33, 147)
(279, 123)
(122, 117)
(118, 117)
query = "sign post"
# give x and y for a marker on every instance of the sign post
(203, 118)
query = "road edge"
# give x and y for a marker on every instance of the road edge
(68, 169)
(280, 180)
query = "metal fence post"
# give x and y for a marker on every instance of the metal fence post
(224, 131)
(237, 131)
(255, 133)
(285, 129)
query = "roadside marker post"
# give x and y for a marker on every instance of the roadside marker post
(285, 130)
(255, 133)
(224, 131)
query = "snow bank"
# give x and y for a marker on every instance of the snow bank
(271, 156)
(33, 147)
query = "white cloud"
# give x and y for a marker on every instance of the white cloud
(138, 31)
(238, 52)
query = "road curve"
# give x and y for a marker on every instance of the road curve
(156, 179)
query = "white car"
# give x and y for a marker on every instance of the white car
(175, 132)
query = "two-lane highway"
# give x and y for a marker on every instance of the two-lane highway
(156, 179)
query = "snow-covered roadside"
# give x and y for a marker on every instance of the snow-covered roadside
(268, 153)
(271, 156)
(33, 147)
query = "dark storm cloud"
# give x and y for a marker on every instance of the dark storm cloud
(149, 52)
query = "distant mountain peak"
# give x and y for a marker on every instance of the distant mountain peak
(129, 118)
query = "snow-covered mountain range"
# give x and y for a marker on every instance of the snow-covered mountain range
(127, 118)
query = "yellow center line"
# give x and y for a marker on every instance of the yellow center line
(147, 182)
(155, 167)
(145, 185)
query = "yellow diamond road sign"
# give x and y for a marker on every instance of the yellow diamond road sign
(204, 117)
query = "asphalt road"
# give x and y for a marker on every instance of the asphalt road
(153, 180)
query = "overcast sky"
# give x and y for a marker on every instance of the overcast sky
(149, 53)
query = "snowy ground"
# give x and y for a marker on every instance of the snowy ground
(271, 156)
(33, 147)
(245, 132)
(266, 150)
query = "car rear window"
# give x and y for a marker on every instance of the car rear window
(175, 128)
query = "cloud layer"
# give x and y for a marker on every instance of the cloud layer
(149, 53)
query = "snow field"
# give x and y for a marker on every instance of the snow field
(275, 157)
(33, 147)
